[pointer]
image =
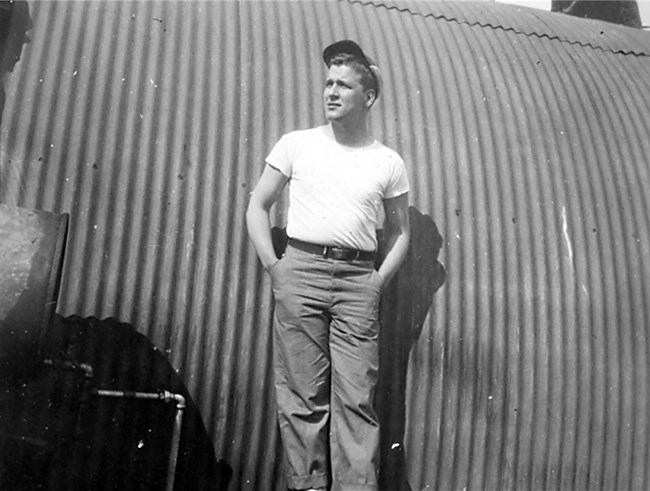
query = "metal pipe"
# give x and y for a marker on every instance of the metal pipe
(164, 396)
(70, 365)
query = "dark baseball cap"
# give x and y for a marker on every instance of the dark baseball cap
(345, 47)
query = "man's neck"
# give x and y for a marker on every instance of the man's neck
(357, 135)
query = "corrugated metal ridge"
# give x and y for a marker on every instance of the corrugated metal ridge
(625, 40)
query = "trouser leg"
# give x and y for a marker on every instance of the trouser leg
(302, 373)
(354, 348)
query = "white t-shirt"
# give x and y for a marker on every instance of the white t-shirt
(336, 192)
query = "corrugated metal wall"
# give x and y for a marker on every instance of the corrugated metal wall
(516, 340)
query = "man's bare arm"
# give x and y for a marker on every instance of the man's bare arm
(266, 193)
(397, 231)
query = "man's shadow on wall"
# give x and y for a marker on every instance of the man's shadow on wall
(405, 305)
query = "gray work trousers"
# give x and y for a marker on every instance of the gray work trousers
(326, 334)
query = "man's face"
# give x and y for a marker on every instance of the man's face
(344, 97)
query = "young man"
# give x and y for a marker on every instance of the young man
(326, 287)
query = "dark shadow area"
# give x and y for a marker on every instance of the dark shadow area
(15, 21)
(56, 434)
(405, 305)
(280, 239)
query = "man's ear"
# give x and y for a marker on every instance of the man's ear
(371, 97)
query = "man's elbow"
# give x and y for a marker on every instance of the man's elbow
(249, 210)
(401, 229)
(406, 237)
(252, 211)
(398, 235)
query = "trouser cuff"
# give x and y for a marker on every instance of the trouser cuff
(306, 482)
(341, 486)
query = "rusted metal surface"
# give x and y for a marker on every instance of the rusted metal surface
(515, 342)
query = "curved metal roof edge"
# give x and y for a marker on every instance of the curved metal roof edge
(459, 16)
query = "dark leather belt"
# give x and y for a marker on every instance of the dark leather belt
(333, 252)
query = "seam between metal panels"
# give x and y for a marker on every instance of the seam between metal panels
(407, 10)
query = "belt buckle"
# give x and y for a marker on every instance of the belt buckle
(341, 253)
(331, 252)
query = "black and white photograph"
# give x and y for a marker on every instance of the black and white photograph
(325, 245)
